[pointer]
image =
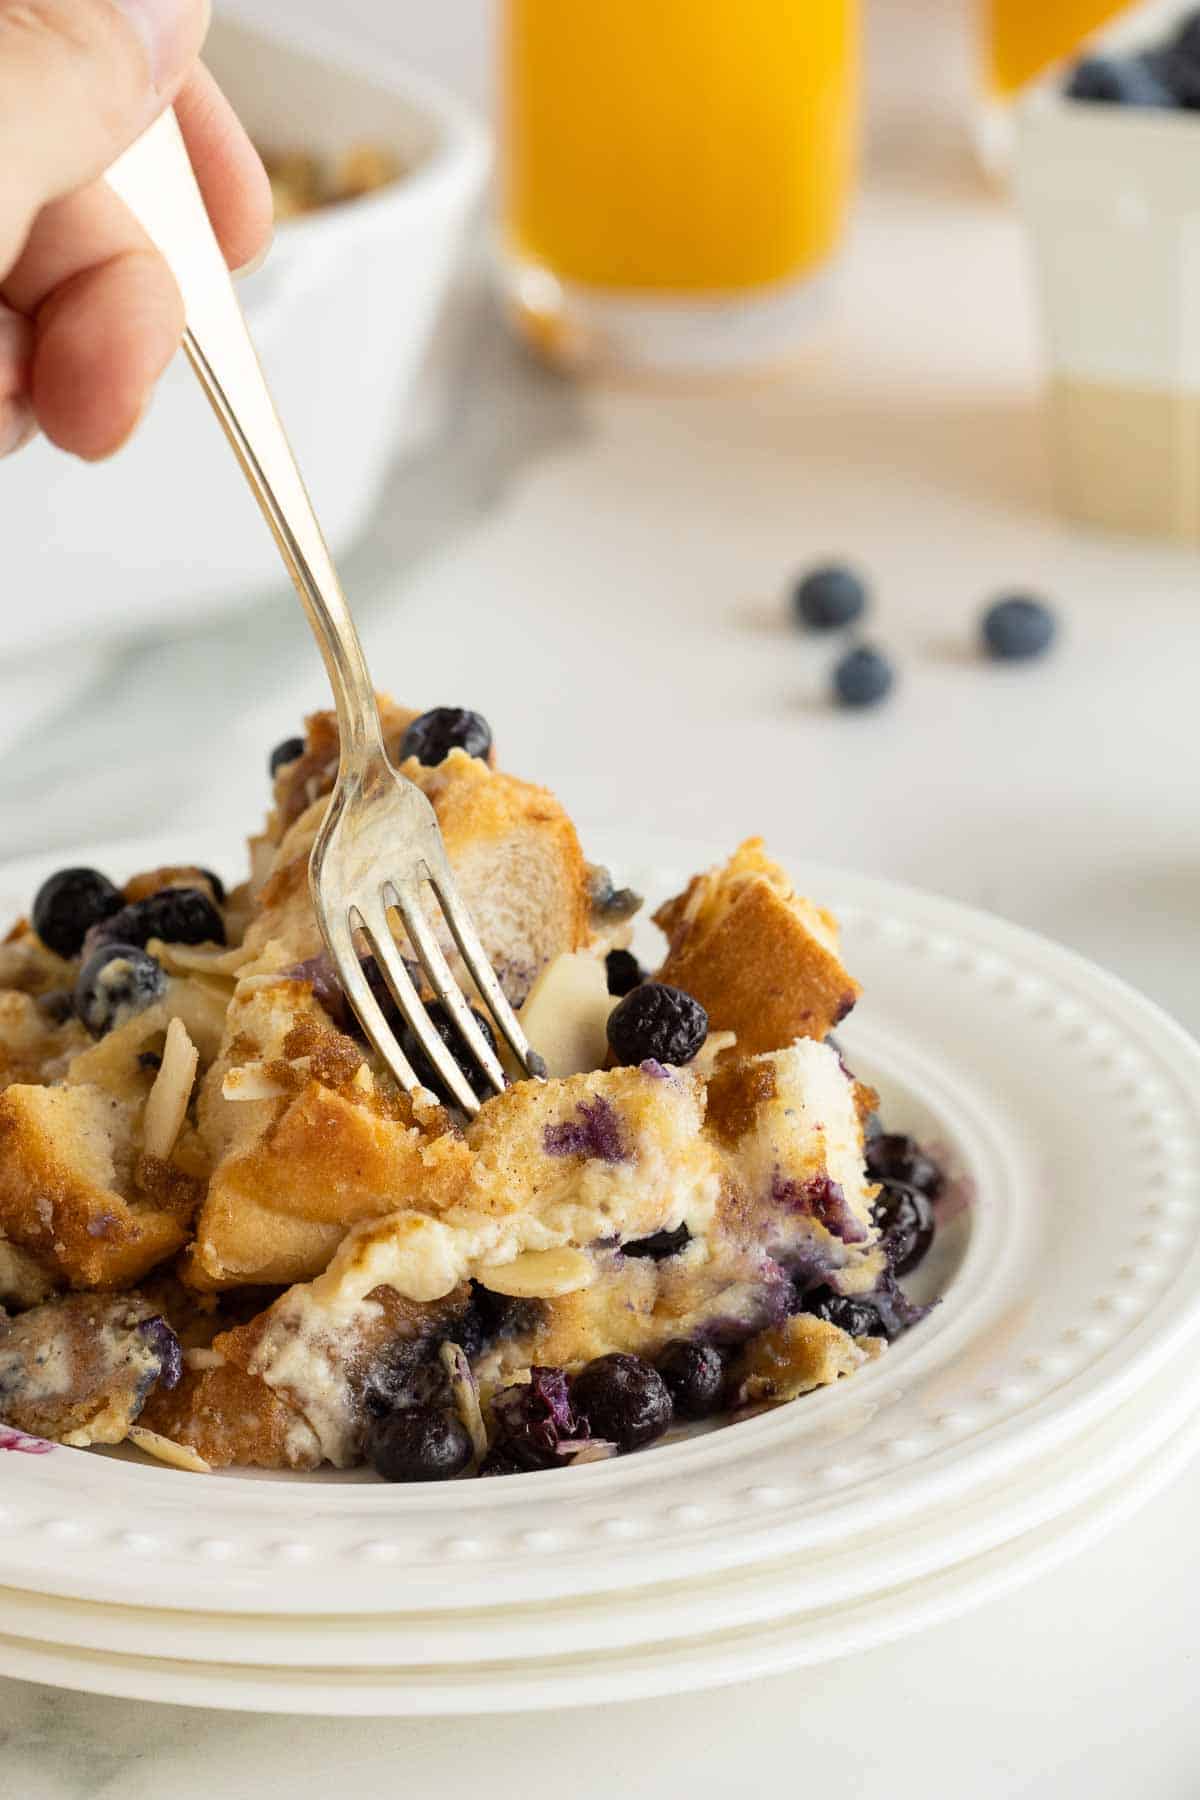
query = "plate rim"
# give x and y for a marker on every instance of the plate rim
(1029, 1430)
(692, 1666)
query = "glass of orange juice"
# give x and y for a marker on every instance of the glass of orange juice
(1025, 40)
(675, 172)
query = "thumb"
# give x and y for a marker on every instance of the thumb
(79, 80)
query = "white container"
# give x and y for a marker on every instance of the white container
(1112, 199)
(343, 314)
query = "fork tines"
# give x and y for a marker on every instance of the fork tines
(371, 917)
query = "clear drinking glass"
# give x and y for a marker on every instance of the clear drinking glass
(676, 173)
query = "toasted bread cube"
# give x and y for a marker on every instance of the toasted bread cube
(65, 1155)
(763, 961)
(231, 1418)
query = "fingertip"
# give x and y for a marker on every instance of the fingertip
(229, 169)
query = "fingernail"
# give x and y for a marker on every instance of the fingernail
(167, 28)
(17, 425)
(256, 262)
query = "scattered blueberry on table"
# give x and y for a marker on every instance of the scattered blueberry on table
(1181, 62)
(828, 598)
(1018, 628)
(1164, 75)
(863, 677)
(1119, 81)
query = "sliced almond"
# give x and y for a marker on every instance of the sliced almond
(566, 1014)
(167, 1106)
(166, 1450)
(710, 1052)
(540, 1274)
(202, 959)
(252, 1082)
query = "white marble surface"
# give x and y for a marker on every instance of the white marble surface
(600, 570)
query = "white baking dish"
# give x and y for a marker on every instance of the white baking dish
(343, 314)
(1111, 195)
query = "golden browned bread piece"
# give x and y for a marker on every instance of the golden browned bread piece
(69, 1193)
(301, 1152)
(79, 1369)
(514, 852)
(306, 1139)
(38, 1033)
(232, 1420)
(763, 961)
(796, 1356)
(540, 1198)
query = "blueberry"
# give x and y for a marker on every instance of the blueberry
(116, 982)
(857, 1317)
(660, 1245)
(623, 1400)
(176, 915)
(1120, 81)
(886, 1312)
(290, 751)
(530, 1421)
(827, 598)
(863, 677)
(657, 1023)
(215, 883)
(1180, 66)
(69, 904)
(448, 1031)
(695, 1378)
(419, 1443)
(435, 734)
(905, 1219)
(608, 902)
(1017, 628)
(624, 972)
(893, 1156)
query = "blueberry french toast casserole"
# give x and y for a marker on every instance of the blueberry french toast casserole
(228, 1238)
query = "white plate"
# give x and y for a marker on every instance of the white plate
(663, 1668)
(1082, 1471)
(1072, 1105)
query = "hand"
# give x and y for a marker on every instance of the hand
(89, 313)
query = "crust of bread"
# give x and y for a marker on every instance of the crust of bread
(233, 1420)
(763, 961)
(61, 1176)
(795, 1357)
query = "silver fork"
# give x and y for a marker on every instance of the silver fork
(379, 846)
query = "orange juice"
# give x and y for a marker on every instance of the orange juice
(1026, 38)
(677, 147)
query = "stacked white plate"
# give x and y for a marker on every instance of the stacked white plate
(1047, 1396)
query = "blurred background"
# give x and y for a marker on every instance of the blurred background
(594, 329)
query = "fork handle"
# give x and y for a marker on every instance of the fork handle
(155, 180)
